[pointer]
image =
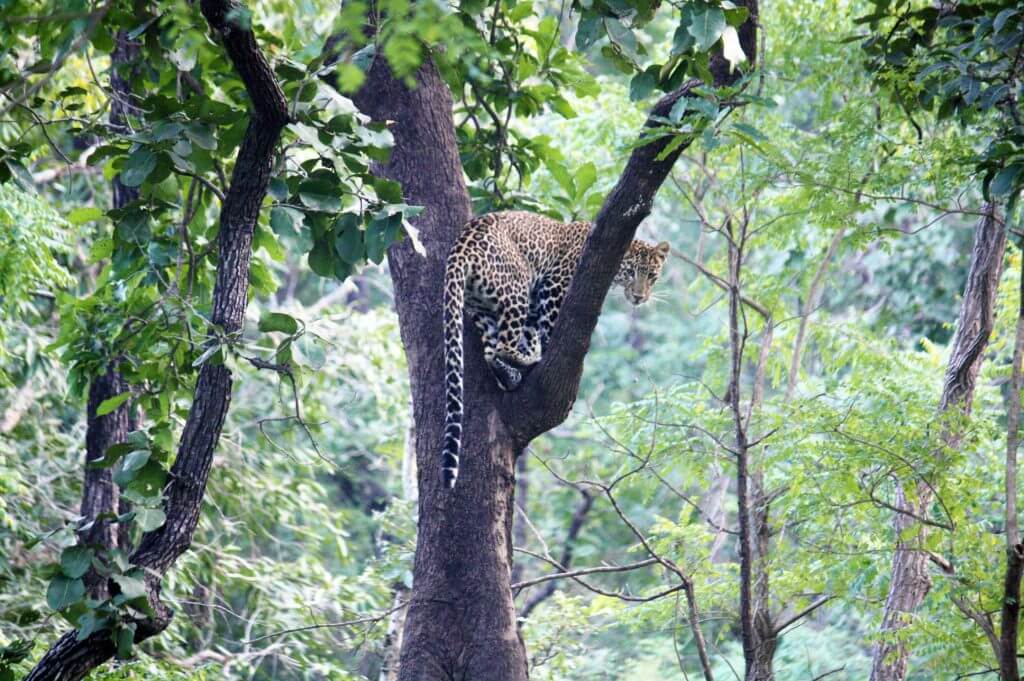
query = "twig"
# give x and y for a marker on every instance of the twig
(817, 603)
(329, 625)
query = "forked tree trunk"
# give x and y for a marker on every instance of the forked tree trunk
(462, 622)
(461, 615)
(910, 580)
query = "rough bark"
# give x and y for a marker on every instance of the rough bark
(910, 581)
(1006, 650)
(462, 621)
(99, 493)
(70, 659)
(1008, 665)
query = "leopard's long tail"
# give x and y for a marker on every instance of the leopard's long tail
(454, 298)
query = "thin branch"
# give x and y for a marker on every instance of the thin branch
(795, 617)
(583, 572)
(372, 619)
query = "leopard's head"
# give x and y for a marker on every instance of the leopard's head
(640, 268)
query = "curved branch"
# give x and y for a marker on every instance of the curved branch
(70, 659)
(547, 394)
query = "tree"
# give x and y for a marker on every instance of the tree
(462, 620)
(961, 60)
(76, 654)
(910, 581)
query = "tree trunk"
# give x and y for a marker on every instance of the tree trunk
(1009, 669)
(99, 493)
(910, 580)
(1006, 650)
(461, 621)
(461, 616)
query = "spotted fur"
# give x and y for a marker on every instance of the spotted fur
(511, 271)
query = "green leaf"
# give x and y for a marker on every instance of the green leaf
(134, 227)
(278, 189)
(16, 651)
(207, 354)
(112, 403)
(79, 216)
(521, 11)
(285, 221)
(75, 561)
(682, 39)
(112, 455)
(125, 639)
(64, 592)
(278, 321)
(590, 30)
(735, 16)
(89, 623)
(562, 177)
(562, 106)
(642, 86)
(1005, 180)
(202, 136)
(320, 195)
(1002, 18)
(585, 178)
(321, 258)
(131, 464)
(131, 584)
(678, 109)
(672, 145)
(750, 131)
(621, 35)
(141, 28)
(150, 518)
(381, 232)
(348, 242)
(706, 26)
(137, 168)
(101, 250)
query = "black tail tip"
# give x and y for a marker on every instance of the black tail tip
(449, 476)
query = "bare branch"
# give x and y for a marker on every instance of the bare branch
(602, 569)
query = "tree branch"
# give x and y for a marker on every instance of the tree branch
(570, 574)
(544, 399)
(578, 518)
(70, 659)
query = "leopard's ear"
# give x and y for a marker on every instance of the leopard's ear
(663, 248)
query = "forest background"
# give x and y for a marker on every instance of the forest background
(796, 462)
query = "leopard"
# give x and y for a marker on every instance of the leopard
(510, 271)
